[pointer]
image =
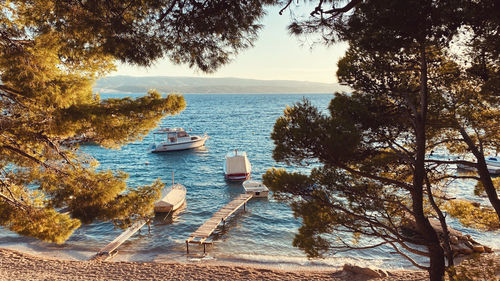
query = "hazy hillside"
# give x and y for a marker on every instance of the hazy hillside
(164, 84)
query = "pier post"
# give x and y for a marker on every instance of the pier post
(187, 247)
(204, 248)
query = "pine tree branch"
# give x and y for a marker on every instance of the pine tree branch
(318, 9)
(349, 6)
(444, 141)
(372, 222)
(12, 95)
(442, 221)
(32, 158)
(169, 9)
(456, 177)
(13, 201)
(412, 261)
(449, 162)
(56, 148)
(351, 247)
(377, 178)
(7, 187)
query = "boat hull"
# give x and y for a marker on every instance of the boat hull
(237, 177)
(259, 194)
(167, 147)
(172, 199)
(492, 169)
(169, 208)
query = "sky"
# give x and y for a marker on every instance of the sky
(275, 56)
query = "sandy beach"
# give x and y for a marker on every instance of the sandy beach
(16, 265)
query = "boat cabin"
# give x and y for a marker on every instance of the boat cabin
(172, 139)
(255, 188)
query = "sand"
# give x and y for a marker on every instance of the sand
(15, 265)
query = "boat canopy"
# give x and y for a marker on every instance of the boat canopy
(237, 164)
(171, 198)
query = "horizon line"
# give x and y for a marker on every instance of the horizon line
(227, 77)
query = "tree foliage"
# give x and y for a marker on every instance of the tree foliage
(48, 189)
(411, 95)
(50, 54)
(205, 34)
(472, 215)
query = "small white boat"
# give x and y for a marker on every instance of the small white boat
(256, 188)
(492, 164)
(172, 199)
(493, 161)
(173, 139)
(236, 166)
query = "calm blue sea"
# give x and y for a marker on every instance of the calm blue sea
(262, 234)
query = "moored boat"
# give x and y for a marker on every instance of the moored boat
(236, 166)
(493, 161)
(492, 164)
(172, 199)
(256, 188)
(174, 139)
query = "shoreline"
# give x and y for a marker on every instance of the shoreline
(287, 263)
(26, 265)
(16, 265)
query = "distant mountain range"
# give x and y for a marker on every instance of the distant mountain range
(186, 85)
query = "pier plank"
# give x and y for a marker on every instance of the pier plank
(107, 252)
(200, 235)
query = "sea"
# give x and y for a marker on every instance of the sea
(261, 235)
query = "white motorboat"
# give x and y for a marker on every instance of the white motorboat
(172, 198)
(493, 161)
(256, 188)
(492, 164)
(173, 139)
(236, 166)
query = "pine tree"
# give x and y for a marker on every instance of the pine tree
(51, 52)
(372, 174)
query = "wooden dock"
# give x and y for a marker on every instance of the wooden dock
(203, 232)
(110, 250)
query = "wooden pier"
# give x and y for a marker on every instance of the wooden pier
(203, 232)
(110, 250)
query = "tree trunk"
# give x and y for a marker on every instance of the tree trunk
(442, 221)
(436, 253)
(437, 266)
(484, 174)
